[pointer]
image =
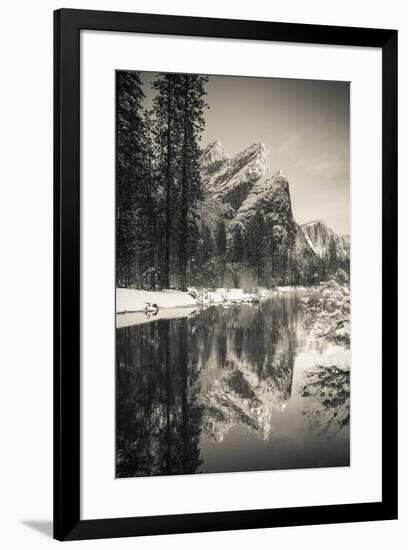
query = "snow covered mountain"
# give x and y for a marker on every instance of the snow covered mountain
(231, 179)
(271, 197)
(213, 156)
(239, 187)
(320, 235)
(238, 394)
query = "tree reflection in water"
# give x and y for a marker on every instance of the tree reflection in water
(158, 414)
(184, 380)
(327, 399)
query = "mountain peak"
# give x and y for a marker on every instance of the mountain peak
(270, 196)
(229, 179)
(213, 156)
(214, 146)
(315, 222)
(239, 187)
(320, 235)
(257, 148)
(279, 178)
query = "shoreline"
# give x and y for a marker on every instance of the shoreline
(130, 300)
(135, 301)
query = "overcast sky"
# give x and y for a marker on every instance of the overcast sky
(305, 126)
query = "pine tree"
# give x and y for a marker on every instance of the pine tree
(257, 249)
(270, 254)
(129, 173)
(323, 263)
(178, 112)
(238, 245)
(221, 244)
(221, 238)
(293, 268)
(206, 246)
(285, 265)
(192, 105)
(333, 261)
(167, 138)
(148, 227)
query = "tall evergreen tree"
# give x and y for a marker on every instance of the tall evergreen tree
(221, 238)
(206, 246)
(178, 108)
(192, 105)
(129, 172)
(221, 244)
(167, 136)
(257, 246)
(285, 265)
(238, 250)
(293, 268)
(333, 260)
(148, 221)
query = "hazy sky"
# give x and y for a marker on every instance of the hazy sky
(305, 127)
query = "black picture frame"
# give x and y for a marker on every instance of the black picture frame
(67, 26)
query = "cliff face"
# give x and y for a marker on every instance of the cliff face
(239, 395)
(241, 187)
(231, 179)
(213, 157)
(320, 236)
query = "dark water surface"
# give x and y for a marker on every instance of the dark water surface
(230, 389)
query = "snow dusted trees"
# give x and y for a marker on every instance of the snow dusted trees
(130, 140)
(148, 228)
(158, 179)
(167, 139)
(178, 113)
(191, 105)
(257, 246)
(221, 238)
(205, 249)
(136, 188)
(332, 263)
(221, 244)
(238, 250)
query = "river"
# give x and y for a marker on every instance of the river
(226, 389)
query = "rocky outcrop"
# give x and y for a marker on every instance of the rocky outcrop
(231, 179)
(239, 394)
(244, 193)
(242, 186)
(213, 158)
(320, 235)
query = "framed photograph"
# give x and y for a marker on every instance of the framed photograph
(225, 274)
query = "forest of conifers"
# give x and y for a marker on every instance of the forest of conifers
(162, 237)
(158, 179)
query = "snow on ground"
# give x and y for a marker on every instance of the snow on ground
(141, 318)
(221, 295)
(130, 300)
(205, 296)
(295, 288)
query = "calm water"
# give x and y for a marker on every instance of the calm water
(230, 389)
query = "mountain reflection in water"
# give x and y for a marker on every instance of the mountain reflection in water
(230, 389)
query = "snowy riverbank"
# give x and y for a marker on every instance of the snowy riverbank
(294, 288)
(141, 317)
(130, 300)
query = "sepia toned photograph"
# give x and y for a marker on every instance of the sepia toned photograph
(232, 274)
